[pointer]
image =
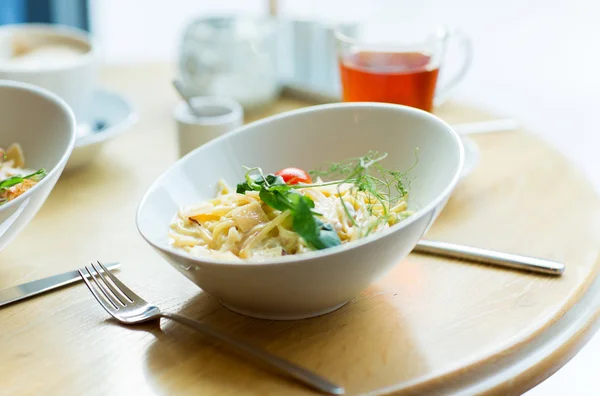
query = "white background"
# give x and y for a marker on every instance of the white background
(537, 61)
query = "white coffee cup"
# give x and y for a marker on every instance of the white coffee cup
(62, 59)
(213, 117)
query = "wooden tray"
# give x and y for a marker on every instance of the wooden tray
(431, 326)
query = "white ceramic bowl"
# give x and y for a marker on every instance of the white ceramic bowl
(44, 126)
(293, 287)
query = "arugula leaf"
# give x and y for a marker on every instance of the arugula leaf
(243, 187)
(277, 194)
(384, 187)
(14, 180)
(277, 198)
(252, 183)
(255, 182)
(37, 176)
(273, 180)
(11, 181)
(328, 236)
(316, 233)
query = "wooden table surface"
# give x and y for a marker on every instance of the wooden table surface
(431, 326)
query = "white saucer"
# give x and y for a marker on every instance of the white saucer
(109, 115)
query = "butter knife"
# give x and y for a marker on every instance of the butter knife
(33, 288)
(490, 257)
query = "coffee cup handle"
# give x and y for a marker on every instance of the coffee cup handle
(466, 46)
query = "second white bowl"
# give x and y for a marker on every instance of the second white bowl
(44, 126)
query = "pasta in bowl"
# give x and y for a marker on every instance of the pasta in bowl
(15, 180)
(286, 213)
(276, 245)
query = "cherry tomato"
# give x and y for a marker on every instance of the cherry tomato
(294, 176)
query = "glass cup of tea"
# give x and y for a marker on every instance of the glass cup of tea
(402, 70)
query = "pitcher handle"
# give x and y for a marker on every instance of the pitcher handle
(466, 45)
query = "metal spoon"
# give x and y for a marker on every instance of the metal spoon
(179, 87)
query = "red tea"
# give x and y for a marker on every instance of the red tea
(393, 77)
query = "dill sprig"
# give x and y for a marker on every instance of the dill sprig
(366, 174)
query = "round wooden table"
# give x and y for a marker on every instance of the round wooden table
(431, 326)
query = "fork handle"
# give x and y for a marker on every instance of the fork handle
(303, 375)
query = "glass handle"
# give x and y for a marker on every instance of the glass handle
(466, 46)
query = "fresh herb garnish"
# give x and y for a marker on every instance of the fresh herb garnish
(14, 180)
(11, 181)
(274, 192)
(385, 184)
(383, 187)
(315, 232)
(386, 187)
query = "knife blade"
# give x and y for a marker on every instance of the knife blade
(21, 292)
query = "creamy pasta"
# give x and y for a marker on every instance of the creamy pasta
(14, 178)
(242, 226)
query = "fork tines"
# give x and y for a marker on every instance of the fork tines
(109, 291)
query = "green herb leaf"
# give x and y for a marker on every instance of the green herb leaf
(317, 234)
(366, 174)
(273, 180)
(252, 183)
(327, 235)
(11, 181)
(255, 181)
(277, 198)
(274, 192)
(14, 180)
(37, 176)
(243, 187)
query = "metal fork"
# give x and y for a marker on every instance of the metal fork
(129, 308)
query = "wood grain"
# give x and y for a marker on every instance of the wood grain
(432, 325)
